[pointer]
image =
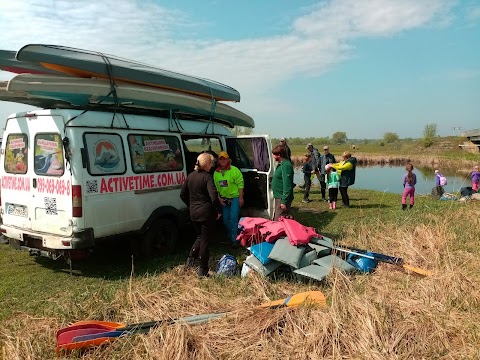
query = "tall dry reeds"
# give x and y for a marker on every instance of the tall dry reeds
(390, 314)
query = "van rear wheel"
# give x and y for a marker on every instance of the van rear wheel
(161, 239)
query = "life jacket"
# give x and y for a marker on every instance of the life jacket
(249, 230)
(271, 230)
(297, 233)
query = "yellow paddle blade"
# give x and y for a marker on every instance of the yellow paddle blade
(417, 270)
(308, 297)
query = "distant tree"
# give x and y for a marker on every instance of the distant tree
(390, 137)
(339, 137)
(429, 134)
(240, 130)
(366, 141)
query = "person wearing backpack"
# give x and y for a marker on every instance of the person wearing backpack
(440, 182)
(475, 178)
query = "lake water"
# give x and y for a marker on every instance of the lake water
(389, 179)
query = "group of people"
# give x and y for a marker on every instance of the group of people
(332, 175)
(410, 180)
(209, 198)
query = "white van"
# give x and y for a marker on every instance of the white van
(72, 177)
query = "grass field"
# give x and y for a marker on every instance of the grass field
(390, 314)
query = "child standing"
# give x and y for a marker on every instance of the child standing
(333, 182)
(475, 178)
(307, 170)
(409, 181)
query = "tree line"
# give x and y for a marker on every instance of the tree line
(340, 137)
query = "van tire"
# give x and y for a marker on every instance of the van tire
(160, 239)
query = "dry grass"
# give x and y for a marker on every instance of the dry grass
(387, 315)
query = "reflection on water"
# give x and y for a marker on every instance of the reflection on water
(389, 179)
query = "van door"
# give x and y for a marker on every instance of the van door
(35, 185)
(252, 155)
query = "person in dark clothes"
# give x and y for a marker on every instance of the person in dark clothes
(283, 142)
(200, 195)
(325, 159)
(307, 170)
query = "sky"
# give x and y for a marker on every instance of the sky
(303, 68)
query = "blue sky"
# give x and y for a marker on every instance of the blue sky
(303, 67)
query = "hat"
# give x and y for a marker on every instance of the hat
(308, 145)
(436, 171)
(223, 154)
(282, 139)
(325, 147)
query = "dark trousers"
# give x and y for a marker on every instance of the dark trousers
(333, 194)
(201, 248)
(308, 184)
(345, 198)
(278, 210)
(323, 185)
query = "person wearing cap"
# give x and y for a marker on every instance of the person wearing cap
(282, 182)
(346, 171)
(228, 180)
(325, 159)
(315, 159)
(283, 142)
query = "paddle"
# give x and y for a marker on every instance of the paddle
(378, 257)
(85, 334)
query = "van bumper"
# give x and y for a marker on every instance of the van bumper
(78, 240)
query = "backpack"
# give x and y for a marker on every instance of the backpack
(443, 180)
(227, 265)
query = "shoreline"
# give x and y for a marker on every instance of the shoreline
(419, 161)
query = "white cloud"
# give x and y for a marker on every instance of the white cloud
(147, 32)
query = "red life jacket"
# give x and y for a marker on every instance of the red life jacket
(297, 233)
(272, 230)
(249, 230)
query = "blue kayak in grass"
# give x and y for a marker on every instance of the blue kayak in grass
(88, 64)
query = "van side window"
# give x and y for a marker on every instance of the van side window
(105, 154)
(155, 153)
(16, 154)
(48, 155)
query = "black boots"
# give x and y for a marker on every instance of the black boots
(411, 206)
(404, 206)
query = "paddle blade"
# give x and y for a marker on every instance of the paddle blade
(109, 324)
(308, 297)
(417, 270)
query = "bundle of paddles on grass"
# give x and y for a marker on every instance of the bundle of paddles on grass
(286, 246)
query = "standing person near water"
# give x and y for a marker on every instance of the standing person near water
(307, 177)
(229, 183)
(200, 195)
(409, 181)
(346, 170)
(325, 159)
(282, 182)
(333, 182)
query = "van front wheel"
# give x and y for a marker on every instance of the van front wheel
(161, 238)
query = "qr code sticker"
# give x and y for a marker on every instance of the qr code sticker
(92, 186)
(51, 206)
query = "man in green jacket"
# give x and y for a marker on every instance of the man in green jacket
(282, 182)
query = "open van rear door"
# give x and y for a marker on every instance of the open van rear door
(252, 155)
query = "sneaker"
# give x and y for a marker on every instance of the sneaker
(324, 199)
(306, 201)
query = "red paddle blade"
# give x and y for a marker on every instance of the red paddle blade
(84, 344)
(67, 336)
(83, 325)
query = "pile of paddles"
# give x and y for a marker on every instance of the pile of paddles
(286, 246)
